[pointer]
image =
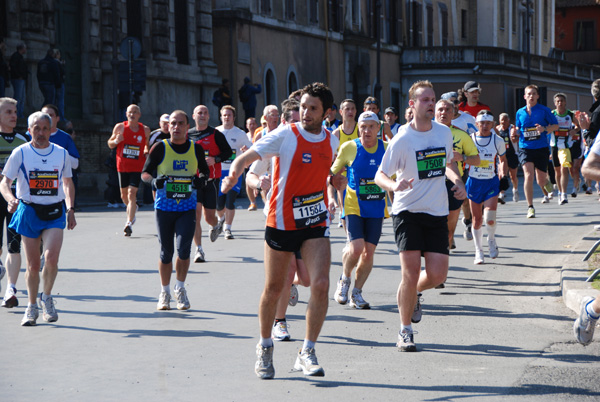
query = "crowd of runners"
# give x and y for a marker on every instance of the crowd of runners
(451, 155)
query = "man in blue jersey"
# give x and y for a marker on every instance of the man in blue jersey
(532, 125)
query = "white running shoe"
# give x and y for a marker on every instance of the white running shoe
(30, 317)
(199, 256)
(2, 273)
(293, 296)
(493, 249)
(357, 301)
(308, 364)
(264, 364)
(479, 259)
(183, 303)
(341, 293)
(48, 311)
(164, 301)
(515, 195)
(279, 332)
(584, 326)
(545, 200)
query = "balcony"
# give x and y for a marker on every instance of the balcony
(489, 58)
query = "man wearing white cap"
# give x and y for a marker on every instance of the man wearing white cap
(421, 157)
(161, 133)
(483, 184)
(364, 207)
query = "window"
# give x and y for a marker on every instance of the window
(584, 35)
(181, 32)
(270, 87)
(290, 10)
(443, 24)
(515, 14)
(415, 24)
(463, 24)
(429, 24)
(502, 12)
(335, 15)
(292, 81)
(3, 22)
(265, 7)
(545, 20)
(386, 22)
(355, 12)
(134, 19)
(313, 11)
(395, 18)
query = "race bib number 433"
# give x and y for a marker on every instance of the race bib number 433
(309, 210)
(431, 163)
(43, 183)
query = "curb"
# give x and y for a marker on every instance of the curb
(574, 272)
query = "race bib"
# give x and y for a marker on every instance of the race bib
(43, 183)
(233, 155)
(179, 188)
(369, 191)
(431, 163)
(131, 151)
(531, 134)
(562, 132)
(309, 210)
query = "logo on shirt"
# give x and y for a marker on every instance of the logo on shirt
(306, 157)
(372, 162)
(44, 160)
(138, 138)
(180, 165)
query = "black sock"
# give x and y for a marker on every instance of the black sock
(279, 320)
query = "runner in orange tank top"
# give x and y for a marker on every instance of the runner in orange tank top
(131, 140)
(298, 219)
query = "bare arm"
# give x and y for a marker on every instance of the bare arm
(116, 137)
(147, 144)
(590, 169)
(237, 168)
(387, 184)
(70, 201)
(453, 175)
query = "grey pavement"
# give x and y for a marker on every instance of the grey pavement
(498, 331)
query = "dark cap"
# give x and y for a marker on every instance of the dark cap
(391, 109)
(471, 86)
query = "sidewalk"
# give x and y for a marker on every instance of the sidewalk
(574, 272)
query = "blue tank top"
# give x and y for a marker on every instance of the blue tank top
(361, 179)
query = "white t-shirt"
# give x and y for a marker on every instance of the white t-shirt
(488, 148)
(465, 122)
(422, 156)
(236, 138)
(39, 173)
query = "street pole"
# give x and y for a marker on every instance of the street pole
(115, 61)
(378, 29)
(528, 34)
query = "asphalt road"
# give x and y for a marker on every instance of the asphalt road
(498, 331)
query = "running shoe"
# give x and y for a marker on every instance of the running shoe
(228, 235)
(307, 362)
(588, 191)
(293, 296)
(183, 303)
(479, 259)
(406, 342)
(563, 199)
(341, 293)
(584, 325)
(264, 364)
(515, 195)
(501, 198)
(531, 212)
(199, 256)
(357, 301)
(453, 245)
(48, 311)
(252, 207)
(574, 192)
(279, 332)
(10, 298)
(418, 311)
(127, 231)
(30, 317)
(493, 249)
(214, 232)
(545, 200)
(467, 234)
(164, 301)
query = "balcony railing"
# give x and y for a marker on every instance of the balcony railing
(491, 57)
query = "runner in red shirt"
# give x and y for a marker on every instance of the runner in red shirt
(472, 91)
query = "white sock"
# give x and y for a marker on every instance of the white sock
(227, 227)
(45, 297)
(491, 231)
(593, 314)
(200, 247)
(406, 328)
(478, 238)
(222, 218)
(266, 342)
(308, 344)
(32, 304)
(356, 290)
(344, 277)
(166, 288)
(179, 284)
